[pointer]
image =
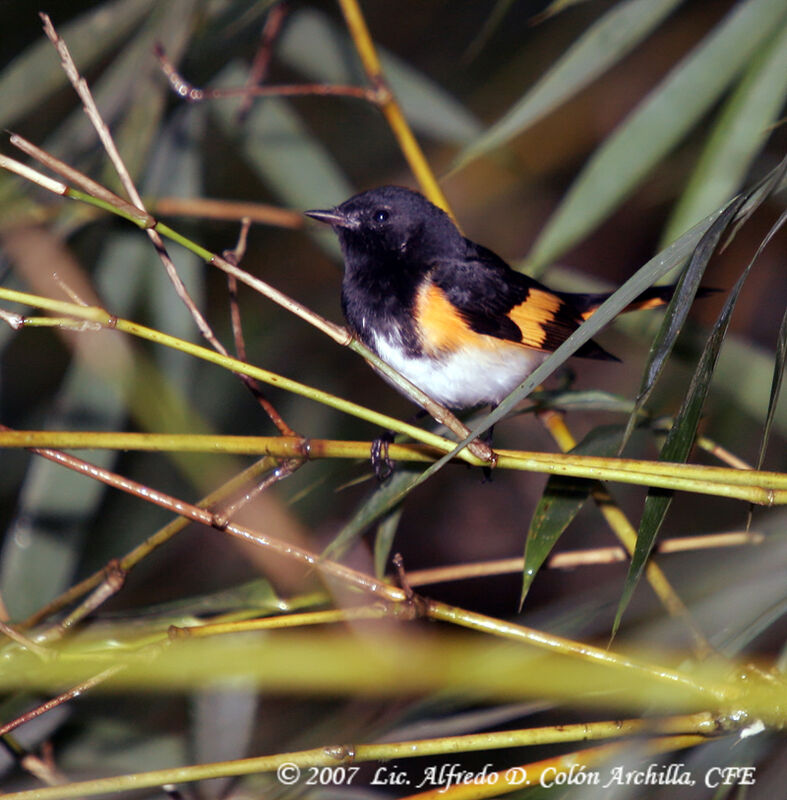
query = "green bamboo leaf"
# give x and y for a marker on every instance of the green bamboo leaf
(384, 499)
(127, 81)
(678, 309)
(778, 375)
(554, 8)
(44, 542)
(681, 436)
(147, 93)
(737, 137)
(491, 24)
(175, 167)
(657, 125)
(744, 374)
(257, 594)
(280, 148)
(37, 72)
(585, 400)
(561, 501)
(383, 541)
(115, 743)
(602, 45)
(222, 725)
(316, 47)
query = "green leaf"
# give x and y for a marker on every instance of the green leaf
(602, 45)
(222, 726)
(657, 125)
(554, 8)
(681, 437)
(738, 135)
(43, 544)
(383, 541)
(562, 500)
(175, 167)
(778, 375)
(36, 73)
(743, 375)
(585, 400)
(144, 98)
(491, 24)
(279, 147)
(678, 310)
(319, 49)
(380, 502)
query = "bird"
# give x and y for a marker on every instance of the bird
(447, 313)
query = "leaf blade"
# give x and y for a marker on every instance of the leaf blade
(681, 435)
(678, 309)
(737, 137)
(605, 42)
(562, 499)
(656, 126)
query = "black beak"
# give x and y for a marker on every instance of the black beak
(330, 216)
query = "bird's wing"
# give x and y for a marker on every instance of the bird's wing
(483, 292)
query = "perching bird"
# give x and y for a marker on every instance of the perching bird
(447, 313)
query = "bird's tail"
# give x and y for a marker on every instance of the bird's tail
(655, 296)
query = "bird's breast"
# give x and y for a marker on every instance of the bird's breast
(466, 376)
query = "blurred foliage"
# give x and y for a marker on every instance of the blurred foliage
(588, 139)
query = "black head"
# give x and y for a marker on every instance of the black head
(391, 222)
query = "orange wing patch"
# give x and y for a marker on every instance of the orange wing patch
(442, 327)
(655, 301)
(535, 316)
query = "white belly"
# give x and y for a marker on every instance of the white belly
(465, 377)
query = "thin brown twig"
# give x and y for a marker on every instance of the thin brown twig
(75, 691)
(91, 109)
(12, 633)
(74, 176)
(337, 333)
(232, 270)
(262, 58)
(114, 578)
(227, 210)
(283, 470)
(43, 767)
(722, 453)
(217, 521)
(127, 562)
(571, 559)
(194, 94)
(234, 257)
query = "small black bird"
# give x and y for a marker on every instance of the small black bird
(445, 312)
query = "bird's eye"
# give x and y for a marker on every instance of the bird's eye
(381, 215)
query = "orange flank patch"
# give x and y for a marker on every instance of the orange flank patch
(443, 329)
(535, 315)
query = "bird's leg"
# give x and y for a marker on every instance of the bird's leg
(381, 464)
(486, 438)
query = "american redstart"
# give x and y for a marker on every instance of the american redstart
(447, 313)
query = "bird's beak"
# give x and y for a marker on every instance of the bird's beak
(330, 216)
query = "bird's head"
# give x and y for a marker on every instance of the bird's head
(391, 223)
